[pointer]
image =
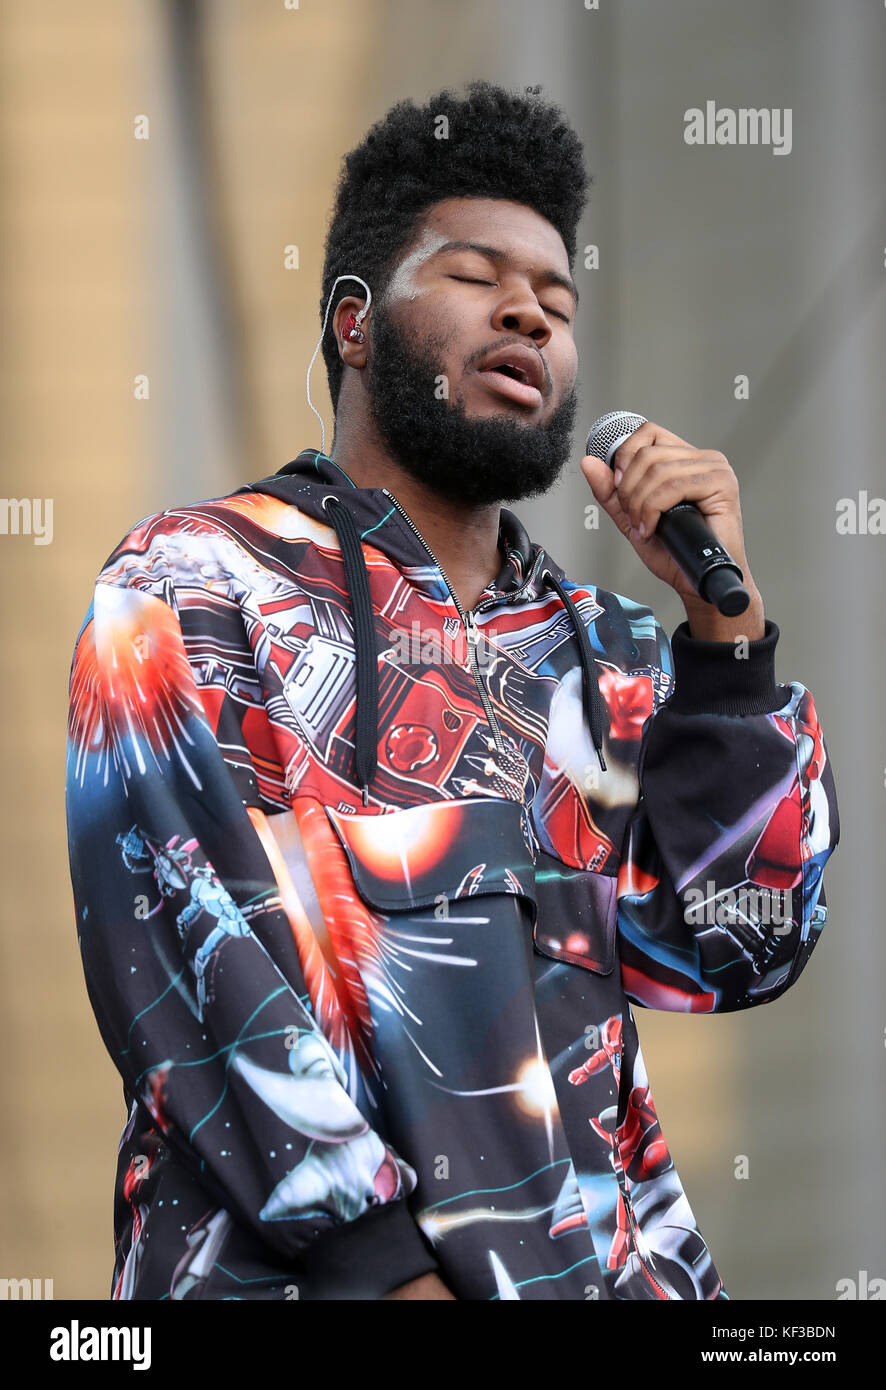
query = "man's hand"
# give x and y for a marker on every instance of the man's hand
(427, 1286)
(653, 470)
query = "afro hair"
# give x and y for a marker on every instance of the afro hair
(497, 144)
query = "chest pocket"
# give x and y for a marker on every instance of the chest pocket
(438, 853)
(442, 853)
(576, 919)
(448, 947)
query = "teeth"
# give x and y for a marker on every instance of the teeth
(509, 370)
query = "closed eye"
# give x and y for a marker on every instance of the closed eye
(469, 280)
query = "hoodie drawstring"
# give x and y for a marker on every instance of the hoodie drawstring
(594, 704)
(366, 653)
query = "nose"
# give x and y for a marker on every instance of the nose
(518, 311)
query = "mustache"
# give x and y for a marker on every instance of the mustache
(421, 361)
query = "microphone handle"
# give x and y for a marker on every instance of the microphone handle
(706, 563)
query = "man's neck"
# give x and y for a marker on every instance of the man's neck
(463, 538)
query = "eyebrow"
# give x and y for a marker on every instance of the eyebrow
(495, 253)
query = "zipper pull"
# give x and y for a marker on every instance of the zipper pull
(471, 630)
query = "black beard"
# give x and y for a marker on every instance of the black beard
(474, 461)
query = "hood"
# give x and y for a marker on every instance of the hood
(318, 486)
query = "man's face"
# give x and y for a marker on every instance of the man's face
(485, 284)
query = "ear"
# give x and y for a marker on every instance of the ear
(352, 353)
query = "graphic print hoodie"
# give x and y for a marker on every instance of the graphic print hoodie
(366, 887)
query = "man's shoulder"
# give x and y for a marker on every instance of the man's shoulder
(616, 618)
(628, 642)
(199, 544)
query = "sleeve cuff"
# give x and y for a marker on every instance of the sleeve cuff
(366, 1258)
(710, 678)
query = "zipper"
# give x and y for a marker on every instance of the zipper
(640, 1249)
(638, 1242)
(472, 633)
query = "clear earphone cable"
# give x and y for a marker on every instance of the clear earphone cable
(359, 316)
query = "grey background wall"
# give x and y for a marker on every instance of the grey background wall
(165, 256)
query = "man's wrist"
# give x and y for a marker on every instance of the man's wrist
(708, 624)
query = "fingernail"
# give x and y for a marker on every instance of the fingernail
(642, 528)
(617, 476)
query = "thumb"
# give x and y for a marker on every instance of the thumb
(600, 477)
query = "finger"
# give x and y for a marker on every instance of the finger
(599, 476)
(710, 469)
(647, 433)
(602, 485)
(707, 487)
(651, 458)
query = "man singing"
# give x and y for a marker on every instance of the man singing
(379, 824)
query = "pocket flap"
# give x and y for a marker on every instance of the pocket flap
(457, 849)
(576, 919)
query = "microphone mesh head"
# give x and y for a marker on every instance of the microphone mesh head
(609, 431)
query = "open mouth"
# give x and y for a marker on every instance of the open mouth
(512, 383)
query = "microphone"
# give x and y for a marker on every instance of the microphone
(682, 529)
